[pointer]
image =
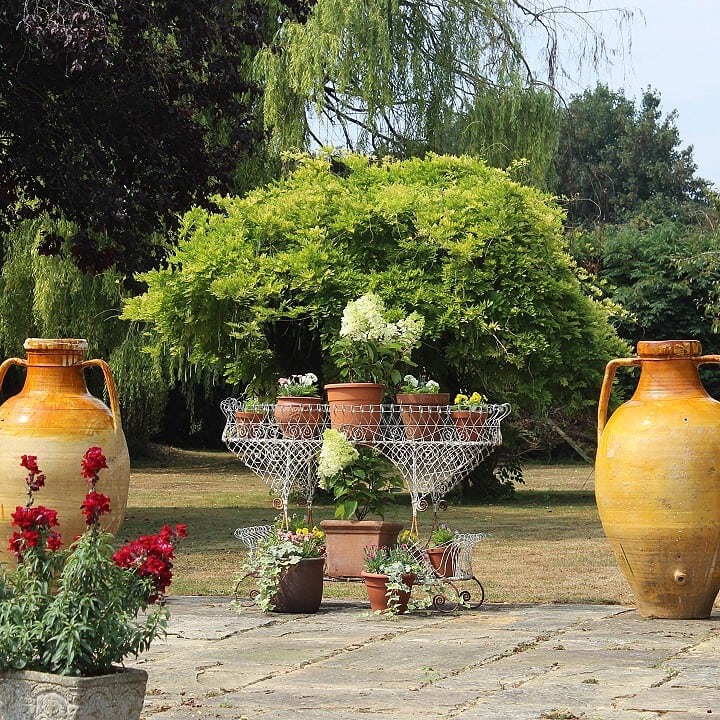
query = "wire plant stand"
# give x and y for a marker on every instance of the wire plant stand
(432, 448)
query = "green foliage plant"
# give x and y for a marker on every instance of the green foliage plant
(369, 346)
(397, 562)
(283, 548)
(360, 480)
(441, 535)
(75, 611)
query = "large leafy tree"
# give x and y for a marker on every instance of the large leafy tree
(256, 289)
(118, 114)
(394, 75)
(616, 158)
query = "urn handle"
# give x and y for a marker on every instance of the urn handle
(610, 369)
(111, 387)
(7, 365)
(703, 360)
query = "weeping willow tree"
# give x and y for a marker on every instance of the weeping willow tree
(406, 76)
(49, 297)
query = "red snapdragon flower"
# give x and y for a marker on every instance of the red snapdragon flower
(92, 463)
(94, 505)
(34, 518)
(150, 556)
(35, 479)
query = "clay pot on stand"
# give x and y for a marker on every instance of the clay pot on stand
(657, 481)
(55, 418)
(299, 417)
(356, 409)
(249, 423)
(469, 424)
(443, 560)
(346, 540)
(376, 585)
(301, 587)
(423, 414)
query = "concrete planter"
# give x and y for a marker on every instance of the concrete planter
(31, 695)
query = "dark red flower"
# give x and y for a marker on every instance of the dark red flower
(53, 542)
(35, 482)
(29, 462)
(92, 463)
(94, 505)
(34, 518)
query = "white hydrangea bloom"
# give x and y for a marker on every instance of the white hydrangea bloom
(432, 386)
(411, 329)
(364, 318)
(336, 454)
(411, 380)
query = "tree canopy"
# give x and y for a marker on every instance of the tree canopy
(118, 114)
(615, 157)
(256, 289)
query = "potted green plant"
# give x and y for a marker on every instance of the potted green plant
(250, 416)
(390, 574)
(361, 483)
(68, 617)
(469, 413)
(423, 407)
(297, 408)
(366, 353)
(288, 565)
(440, 550)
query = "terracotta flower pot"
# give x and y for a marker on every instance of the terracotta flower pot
(249, 423)
(423, 414)
(442, 559)
(469, 424)
(299, 417)
(376, 585)
(346, 540)
(657, 481)
(356, 409)
(55, 418)
(301, 587)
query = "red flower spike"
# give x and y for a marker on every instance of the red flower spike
(93, 461)
(29, 462)
(94, 506)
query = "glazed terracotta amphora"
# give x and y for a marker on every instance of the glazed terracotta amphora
(657, 480)
(55, 418)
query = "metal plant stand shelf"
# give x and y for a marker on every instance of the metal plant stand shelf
(431, 452)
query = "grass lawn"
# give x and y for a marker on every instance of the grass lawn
(545, 545)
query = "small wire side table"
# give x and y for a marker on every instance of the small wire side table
(432, 447)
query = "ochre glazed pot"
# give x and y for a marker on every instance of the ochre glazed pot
(55, 418)
(657, 481)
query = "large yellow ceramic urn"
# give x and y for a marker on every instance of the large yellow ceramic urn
(55, 418)
(657, 481)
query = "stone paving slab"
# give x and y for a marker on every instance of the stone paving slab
(509, 662)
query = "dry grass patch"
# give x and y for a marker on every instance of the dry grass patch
(545, 545)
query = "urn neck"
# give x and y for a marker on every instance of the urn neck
(55, 365)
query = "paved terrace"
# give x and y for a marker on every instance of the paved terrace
(504, 662)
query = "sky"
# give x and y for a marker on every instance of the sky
(675, 49)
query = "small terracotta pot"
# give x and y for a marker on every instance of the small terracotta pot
(299, 417)
(301, 587)
(356, 409)
(346, 540)
(376, 585)
(249, 423)
(469, 424)
(423, 414)
(442, 560)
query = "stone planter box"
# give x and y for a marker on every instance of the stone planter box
(31, 695)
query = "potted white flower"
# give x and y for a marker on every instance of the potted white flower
(362, 483)
(297, 408)
(367, 353)
(423, 408)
